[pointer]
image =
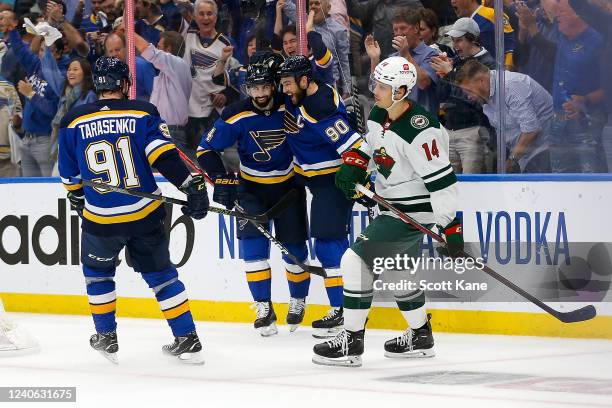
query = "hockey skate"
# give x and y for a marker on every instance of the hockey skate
(414, 343)
(343, 350)
(186, 348)
(297, 308)
(330, 325)
(265, 322)
(106, 344)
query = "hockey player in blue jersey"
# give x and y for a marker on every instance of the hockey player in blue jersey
(266, 174)
(318, 133)
(116, 141)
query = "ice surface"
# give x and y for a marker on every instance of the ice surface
(243, 369)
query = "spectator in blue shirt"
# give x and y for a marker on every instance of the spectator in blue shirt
(151, 22)
(578, 97)
(40, 108)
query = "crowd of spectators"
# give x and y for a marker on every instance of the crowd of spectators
(191, 60)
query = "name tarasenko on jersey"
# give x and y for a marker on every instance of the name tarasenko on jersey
(105, 126)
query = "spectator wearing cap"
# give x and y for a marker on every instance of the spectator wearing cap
(151, 22)
(580, 113)
(172, 87)
(485, 17)
(408, 43)
(464, 118)
(528, 110)
(203, 49)
(114, 46)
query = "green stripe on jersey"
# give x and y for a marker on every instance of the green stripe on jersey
(410, 208)
(435, 173)
(441, 183)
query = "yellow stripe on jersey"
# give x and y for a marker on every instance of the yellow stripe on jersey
(105, 308)
(72, 187)
(336, 97)
(158, 151)
(106, 113)
(177, 311)
(116, 219)
(307, 116)
(325, 59)
(311, 173)
(267, 180)
(336, 281)
(257, 276)
(201, 152)
(239, 116)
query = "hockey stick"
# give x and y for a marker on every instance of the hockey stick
(584, 313)
(315, 270)
(263, 218)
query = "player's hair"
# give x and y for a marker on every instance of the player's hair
(471, 69)
(430, 18)
(176, 42)
(87, 84)
(408, 16)
(212, 3)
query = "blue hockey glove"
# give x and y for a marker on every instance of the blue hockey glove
(226, 190)
(197, 198)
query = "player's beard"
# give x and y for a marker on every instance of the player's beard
(262, 102)
(296, 97)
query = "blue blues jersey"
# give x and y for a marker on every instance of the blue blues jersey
(318, 132)
(114, 142)
(264, 154)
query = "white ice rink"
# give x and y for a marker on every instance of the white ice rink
(243, 369)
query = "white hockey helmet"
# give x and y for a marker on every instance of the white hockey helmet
(395, 72)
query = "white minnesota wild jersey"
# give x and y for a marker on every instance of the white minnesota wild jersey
(411, 159)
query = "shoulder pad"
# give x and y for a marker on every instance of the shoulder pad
(236, 108)
(413, 122)
(324, 103)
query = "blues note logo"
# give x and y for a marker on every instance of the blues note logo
(266, 140)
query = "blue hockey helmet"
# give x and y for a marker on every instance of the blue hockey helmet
(108, 72)
(296, 66)
(262, 68)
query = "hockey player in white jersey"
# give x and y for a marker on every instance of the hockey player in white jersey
(409, 149)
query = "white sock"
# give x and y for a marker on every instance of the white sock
(354, 319)
(415, 318)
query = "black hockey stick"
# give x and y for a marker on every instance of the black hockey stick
(584, 313)
(315, 270)
(263, 218)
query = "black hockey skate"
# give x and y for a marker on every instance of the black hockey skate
(330, 325)
(414, 343)
(343, 350)
(297, 308)
(186, 348)
(265, 322)
(106, 344)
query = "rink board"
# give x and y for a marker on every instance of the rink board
(39, 255)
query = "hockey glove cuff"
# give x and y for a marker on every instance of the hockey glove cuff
(453, 233)
(197, 198)
(352, 171)
(77, 202)
(226, 190)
